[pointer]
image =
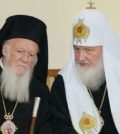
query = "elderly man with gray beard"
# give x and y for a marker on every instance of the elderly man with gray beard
(23, 66)
(85, 96)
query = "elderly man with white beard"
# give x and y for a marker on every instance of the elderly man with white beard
(85, 95)
(23, 66)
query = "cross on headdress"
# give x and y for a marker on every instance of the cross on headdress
(91, 5)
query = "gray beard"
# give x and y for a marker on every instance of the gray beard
(15, 87)
(92, 77)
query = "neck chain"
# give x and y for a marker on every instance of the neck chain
(103, 98)
(88, 122)
(101, 104)
(8, 127)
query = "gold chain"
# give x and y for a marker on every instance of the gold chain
(103, 98)
(5, 109)
(8, 126)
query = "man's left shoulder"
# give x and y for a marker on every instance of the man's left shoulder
(38, 87)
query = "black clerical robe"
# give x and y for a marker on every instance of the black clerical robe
(23, 112)
(61, 116)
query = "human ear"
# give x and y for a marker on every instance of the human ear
(5, 49)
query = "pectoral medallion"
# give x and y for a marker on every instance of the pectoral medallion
(8, 127)
(87, 123)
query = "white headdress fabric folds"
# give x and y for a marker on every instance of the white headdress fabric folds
(78, 99)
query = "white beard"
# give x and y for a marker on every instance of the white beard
(92, 77)
(15, 87)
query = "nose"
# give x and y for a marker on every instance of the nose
(82, 55)
(25, 58)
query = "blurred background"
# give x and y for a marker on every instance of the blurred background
(58, 16)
